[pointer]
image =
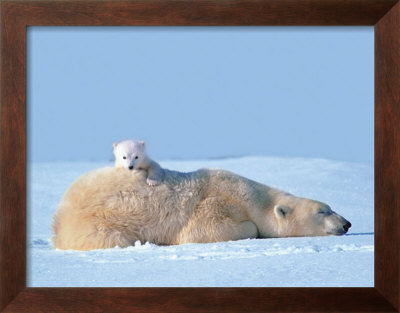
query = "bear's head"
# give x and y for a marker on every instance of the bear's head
(129, 153)
(297, 217)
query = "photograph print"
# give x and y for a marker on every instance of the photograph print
(200, 157)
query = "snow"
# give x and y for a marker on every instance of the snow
(334, 261)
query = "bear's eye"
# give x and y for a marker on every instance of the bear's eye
(321, 212)
(136, 157)
(124, 157)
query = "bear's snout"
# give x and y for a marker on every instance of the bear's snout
(131, 167)
(346, 226)
(337, 225)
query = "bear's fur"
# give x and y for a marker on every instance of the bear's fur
(131, 154)
(112, 207)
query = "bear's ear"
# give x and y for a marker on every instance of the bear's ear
(282, 211)
(142, 143)
(115, 144)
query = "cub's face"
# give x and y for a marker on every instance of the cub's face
(129, 153)
(309, 218)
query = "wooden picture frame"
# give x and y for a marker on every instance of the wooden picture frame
(16, 15)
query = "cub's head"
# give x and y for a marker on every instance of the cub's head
(303, 217)
(129, 153)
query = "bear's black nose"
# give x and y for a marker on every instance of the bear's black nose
(347, 226)
(131, 167)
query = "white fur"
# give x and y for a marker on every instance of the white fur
(131, 155)
(114, 207)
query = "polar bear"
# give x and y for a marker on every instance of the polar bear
(130, 154)
(112, 207)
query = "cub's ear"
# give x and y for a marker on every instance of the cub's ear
(115, 144)
(282, 211)
(142, 143)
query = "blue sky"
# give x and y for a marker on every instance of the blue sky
(201, 92)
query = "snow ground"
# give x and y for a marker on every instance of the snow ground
(345, 261)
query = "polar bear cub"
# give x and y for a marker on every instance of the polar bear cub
(131, 154)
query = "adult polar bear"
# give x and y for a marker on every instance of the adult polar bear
(112, 207)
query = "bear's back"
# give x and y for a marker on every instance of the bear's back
(109, 207)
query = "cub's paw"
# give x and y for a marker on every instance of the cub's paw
(152, 182)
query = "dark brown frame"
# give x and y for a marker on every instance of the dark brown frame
(16, 15)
